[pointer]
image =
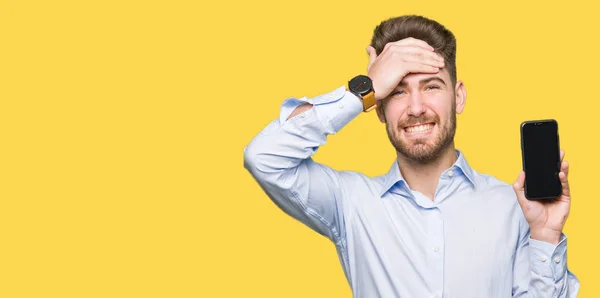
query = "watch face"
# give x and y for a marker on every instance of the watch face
(360, 84)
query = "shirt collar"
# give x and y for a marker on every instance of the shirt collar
(393, 176)
(461, 163)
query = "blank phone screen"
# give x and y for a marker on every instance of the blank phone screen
(541, 160)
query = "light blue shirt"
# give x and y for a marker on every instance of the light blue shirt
(472, 240)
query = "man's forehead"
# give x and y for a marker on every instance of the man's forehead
(415, 78)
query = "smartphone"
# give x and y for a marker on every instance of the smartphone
(541, 159)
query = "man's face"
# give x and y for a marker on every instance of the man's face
(420, 115)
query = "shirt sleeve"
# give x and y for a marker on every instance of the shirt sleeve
(280, 160)
(540, 268)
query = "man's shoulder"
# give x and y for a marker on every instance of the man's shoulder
(355, 179)
(489, 181)
(492, 187)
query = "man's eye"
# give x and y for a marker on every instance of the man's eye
(399, 92)
(432, 87)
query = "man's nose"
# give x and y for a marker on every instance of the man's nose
(416, 105)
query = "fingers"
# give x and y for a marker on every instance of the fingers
(410, 41)
(564, 179)
(421, 68)
(564, 167)
(563, 176)
(566, 190)
(411, 59)
(520, 182)
(414, 54)
(408, 53)
(372, 56)
(519, 188)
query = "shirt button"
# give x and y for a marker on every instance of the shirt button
(302, 115)
(436, 248)
(543, 258)
(450, 173)
(557, 260)
(341, 105)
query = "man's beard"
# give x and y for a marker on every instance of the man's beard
(419, 150)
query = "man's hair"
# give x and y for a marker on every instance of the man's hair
(430, 31)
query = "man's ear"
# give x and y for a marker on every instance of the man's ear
(461, 96)
(380, 111)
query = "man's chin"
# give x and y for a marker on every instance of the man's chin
(419, 155)
(417, 145)
(420, 152)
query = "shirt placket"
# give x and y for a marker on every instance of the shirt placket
(436, 250)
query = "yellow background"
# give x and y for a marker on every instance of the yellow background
(123, 123)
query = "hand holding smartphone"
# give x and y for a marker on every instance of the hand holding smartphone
(541, 159)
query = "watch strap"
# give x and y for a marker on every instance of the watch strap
(368, 101)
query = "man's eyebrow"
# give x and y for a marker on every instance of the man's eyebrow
(425, 81)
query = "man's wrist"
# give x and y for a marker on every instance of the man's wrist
(300, 109)
(546, 235)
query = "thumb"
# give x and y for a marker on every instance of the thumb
(372, 56)
(519, 188)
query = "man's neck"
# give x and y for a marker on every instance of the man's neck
(424, 177)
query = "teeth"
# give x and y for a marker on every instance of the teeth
(419, 128)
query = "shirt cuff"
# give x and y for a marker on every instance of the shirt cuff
(548, 260)
(334, 109)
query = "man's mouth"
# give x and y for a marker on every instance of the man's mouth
(419, 128)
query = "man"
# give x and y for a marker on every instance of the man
(432, 226)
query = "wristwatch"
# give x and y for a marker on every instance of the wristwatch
(362, 87)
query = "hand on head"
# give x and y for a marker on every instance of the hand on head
(397, 60)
